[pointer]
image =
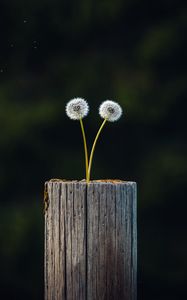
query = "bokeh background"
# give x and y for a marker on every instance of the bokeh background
(130, 51)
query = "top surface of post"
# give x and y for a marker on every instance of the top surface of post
(99, 181)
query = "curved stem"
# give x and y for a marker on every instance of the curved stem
(93, 149)
(85, 148)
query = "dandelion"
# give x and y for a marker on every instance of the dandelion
(77, 109)
(109, 111)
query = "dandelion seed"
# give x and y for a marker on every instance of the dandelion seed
(110, 110)
(77, 109)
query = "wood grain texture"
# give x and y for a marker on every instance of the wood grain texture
(90, 241)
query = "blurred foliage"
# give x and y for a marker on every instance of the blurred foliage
(130, 51)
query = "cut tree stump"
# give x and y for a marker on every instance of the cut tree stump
(90, 240)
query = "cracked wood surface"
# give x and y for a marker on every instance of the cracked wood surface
(90, 241)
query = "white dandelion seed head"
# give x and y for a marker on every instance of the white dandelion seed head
(110, 110)
(77, 108)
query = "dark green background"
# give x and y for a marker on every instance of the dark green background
(130, 51)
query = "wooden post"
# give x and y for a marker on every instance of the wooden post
(90, 240)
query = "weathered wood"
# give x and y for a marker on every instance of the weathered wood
(90, 241)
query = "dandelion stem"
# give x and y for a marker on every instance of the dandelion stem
(85, 148)
(93, 149)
